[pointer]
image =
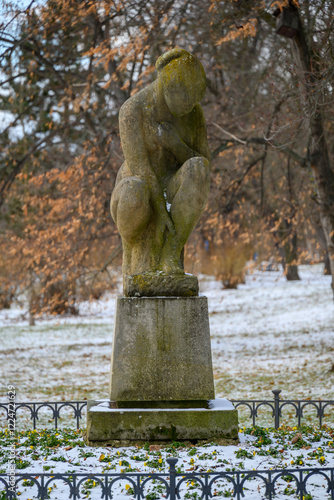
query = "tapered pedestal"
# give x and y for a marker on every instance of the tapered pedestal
(161, 352)
(161, 384)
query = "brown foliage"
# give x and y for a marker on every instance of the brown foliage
(75, 62)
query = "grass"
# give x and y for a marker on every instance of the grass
(65, 451)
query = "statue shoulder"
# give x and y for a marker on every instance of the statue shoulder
(137, 103)
(130, 118)
(129, 108)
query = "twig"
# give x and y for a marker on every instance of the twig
(229, 134)
(113, 256)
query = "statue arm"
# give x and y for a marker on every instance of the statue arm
(138, 162)
(174, 143)
(201, 140)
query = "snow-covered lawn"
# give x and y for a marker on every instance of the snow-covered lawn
(60, 452)
(267, 334)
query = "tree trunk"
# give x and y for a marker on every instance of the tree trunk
(31, 294)
(327, 268)
(290, 250)
(288, 237)
(323, 244)
(320, 162)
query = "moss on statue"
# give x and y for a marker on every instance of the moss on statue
(155, 284)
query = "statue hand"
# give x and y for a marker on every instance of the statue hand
(168, 135)
(170, 139)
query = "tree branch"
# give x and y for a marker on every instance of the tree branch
(247, 141)
(11, 177)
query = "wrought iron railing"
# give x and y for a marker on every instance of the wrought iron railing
(34, 408)
(174, 481)
(175, 484)
(276, 405)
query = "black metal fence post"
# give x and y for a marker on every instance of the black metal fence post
(78, 414)
(55, 416)
(43, 488)
(172, 471)
(74, 490)
(320, 414)
(276, 393)
(34, 414)
(254, 413)
(301, 486)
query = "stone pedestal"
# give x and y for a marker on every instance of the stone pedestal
(161, 352)
(161, 385)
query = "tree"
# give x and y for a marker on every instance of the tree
(67, 68)
(311, 78)
(315, 75)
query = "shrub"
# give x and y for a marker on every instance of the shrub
(227, 263)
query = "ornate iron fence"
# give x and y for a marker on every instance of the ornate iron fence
(276, 405)
(175, 483)
(55, 407)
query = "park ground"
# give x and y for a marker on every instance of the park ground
(268, 334)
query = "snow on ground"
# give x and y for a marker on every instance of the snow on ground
(269, 333)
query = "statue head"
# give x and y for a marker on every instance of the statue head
(183, 80)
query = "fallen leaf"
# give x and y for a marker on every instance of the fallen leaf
(155, 447)
(296, 438)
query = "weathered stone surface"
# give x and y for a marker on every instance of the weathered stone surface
(106, 425)
(161, 350)
(163, 186)
(159, 284)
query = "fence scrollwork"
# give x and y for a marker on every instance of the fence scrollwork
(173, 482)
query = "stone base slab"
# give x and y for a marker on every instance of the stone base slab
(108, 425)
(158, 284)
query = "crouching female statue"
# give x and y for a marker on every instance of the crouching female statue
(162, 187)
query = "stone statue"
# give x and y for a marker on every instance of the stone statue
(163, 185)
(161, 378)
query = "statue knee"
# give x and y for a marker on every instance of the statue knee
(197, 173)
(201, 169)
(192, 181)
(130, 194)
(130, 208)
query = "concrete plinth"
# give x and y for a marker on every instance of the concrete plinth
(106, 425)
(161, 352)
(161, 386)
